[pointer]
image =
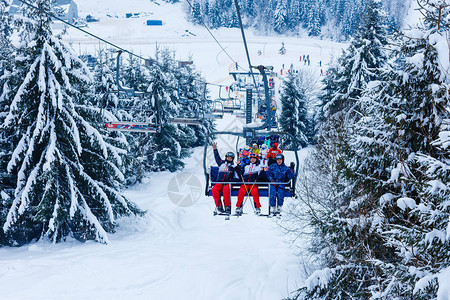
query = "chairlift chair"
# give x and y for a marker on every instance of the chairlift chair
(252, 134)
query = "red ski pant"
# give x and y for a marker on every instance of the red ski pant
(225, 189)
(244, 190)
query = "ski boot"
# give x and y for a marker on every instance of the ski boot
(238, 211)
(228, 210)
(279, 208)
(273, 210)
(257, 211)
(220, 209)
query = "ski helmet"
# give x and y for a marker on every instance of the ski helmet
(264, 146)
(254, 144)
(254, 155)
(279, 156)
(229, 154)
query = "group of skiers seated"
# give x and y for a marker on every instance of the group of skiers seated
(253, 165)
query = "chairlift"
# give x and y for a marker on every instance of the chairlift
(252, 134)
(132, 127)
(264, 187)
(126, 125)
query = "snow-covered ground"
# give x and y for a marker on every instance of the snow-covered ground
(177, 251)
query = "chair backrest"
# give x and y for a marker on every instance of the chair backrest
(213, 173)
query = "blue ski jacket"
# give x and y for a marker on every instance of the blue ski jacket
(280, 173)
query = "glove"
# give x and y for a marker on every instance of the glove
(292, 166)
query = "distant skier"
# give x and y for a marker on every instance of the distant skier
(250, 174)
(237, 67)
(283, 66)
(320, 63)
(278, 172)
(282, 50)
(321, 72)
(227, 173)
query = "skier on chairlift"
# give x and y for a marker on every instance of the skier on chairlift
(264, 161)
(278, 172)
(272, 153)
(244, 156)
(227, 173)
(250, 174)
(255, 149)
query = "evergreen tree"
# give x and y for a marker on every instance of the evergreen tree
(196, 14)
(166, 151)
(281, 17)
(67, 175)
(294, 115)
(193, 89)
(7, 81)
(134, 74)
(313, 21)
(387, 239)
(359, 64)
(405, 130)
(349, 242)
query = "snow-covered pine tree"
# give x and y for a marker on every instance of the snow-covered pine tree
(350, 245)
(6, 82)
(68, 178)
(314, 19)
(134, 74)
(294, 112)
(402, 166)
(280, 16)
(193, 88)
(166, 152)
(358, 64)
(196, 14)
(110, 107)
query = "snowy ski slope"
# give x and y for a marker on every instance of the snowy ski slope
(174, 252)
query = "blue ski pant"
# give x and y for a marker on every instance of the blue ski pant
(276, 192)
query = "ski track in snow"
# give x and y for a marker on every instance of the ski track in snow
(173, 252)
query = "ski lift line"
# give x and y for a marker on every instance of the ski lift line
(245, 44)
(212, 35)
(103, 40)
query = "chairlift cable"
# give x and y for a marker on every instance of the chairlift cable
(245, 44)
(218, 43)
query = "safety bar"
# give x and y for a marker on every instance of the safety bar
(248, 183)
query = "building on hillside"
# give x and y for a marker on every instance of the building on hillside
(64, 9)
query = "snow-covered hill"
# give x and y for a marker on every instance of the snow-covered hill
(189, 40)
